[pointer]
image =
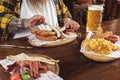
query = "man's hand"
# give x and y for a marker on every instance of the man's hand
(35, 21)
(68, 23)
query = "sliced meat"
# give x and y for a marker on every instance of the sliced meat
(112, 38)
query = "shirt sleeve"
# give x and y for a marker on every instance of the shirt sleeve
(64, 10)
(6, 15)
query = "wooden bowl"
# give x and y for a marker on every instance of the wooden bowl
(98, 57)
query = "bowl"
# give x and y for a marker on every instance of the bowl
(97, 57)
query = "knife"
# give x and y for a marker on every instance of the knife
(15, 46)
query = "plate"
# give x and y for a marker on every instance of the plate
(54, 43)
(98, 57)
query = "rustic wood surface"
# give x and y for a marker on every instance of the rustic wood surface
(73, 65)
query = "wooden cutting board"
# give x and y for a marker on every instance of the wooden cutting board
(57, 43)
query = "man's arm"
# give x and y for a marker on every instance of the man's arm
(65, 11)
(7, 13)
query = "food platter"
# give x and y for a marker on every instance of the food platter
(102, 46)
(96, 56)
(52, 67)
(53, 43)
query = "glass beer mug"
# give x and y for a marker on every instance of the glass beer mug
(94, 16)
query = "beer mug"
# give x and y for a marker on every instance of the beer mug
(94, 17)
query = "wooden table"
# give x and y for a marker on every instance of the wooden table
(73, 65)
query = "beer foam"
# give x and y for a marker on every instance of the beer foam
(95, 7)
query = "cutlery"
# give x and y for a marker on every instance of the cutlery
(15, 46)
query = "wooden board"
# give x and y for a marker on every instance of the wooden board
(96, 57)
(53, 44)
(100, 58)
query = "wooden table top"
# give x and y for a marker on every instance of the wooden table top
(73, 64)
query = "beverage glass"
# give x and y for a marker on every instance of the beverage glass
(94, 17)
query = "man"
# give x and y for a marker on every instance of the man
(18, 16)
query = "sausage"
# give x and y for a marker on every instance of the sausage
(49, 38)
(43, 32)
(62, 29)
(61, 36)
(46, 34)
(53, 28)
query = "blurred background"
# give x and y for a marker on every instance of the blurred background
(78, 9)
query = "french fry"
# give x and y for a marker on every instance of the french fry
(100, 45)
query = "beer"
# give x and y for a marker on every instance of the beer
(94, 17)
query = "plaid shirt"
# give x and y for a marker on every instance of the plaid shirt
(10, 9)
